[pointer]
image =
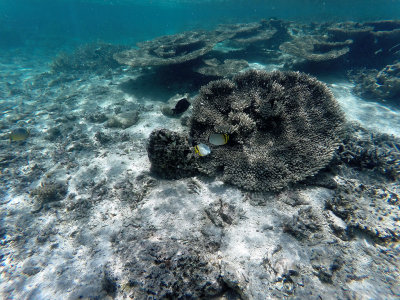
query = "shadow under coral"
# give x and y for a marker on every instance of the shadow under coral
(161, 83)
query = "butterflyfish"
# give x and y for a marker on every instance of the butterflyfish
(202, 150)
(19, 134)
(218, 139)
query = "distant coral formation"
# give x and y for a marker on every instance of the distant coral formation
(244, 35)
(374, 43)
(230, 67)
(316, 48)
(95, 57)
(170, 49)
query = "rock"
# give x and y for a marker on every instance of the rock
(223, 214)
(325, 263)
(31, 267)
(304, 225)
(123, 120)
(97, 117)
(102, 137)
(177, 105)
(49, 192)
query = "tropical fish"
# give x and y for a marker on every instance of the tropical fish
(181, 106)
(19, 134)
(218, 139)
(202, 150)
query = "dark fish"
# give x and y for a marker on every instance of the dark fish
(181, 106)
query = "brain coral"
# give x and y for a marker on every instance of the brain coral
(283, 127)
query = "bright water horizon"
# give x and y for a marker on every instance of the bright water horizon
(56, 23)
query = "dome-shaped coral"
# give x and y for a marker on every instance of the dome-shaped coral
(283, 127)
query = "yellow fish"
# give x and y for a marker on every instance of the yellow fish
(202, 150)
(19, 134)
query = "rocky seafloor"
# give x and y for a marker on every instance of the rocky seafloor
(82, 216)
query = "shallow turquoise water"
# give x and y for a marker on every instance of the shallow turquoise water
(56, 23)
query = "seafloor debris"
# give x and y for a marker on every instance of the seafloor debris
(49, 192)
(371, 210)
(372, 152)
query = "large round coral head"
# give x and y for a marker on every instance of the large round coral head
(282, 128)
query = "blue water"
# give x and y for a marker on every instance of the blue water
(56, 23)
(78, 199)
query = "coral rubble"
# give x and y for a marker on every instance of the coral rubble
(170, 154)
(383, 85)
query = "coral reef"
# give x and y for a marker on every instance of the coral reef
(316, 49)
(103, 227)
(368, 151)
(368, 209)
(95, 58)
(230, 67)
(383, 85)
(245, 35)
(283, 127)
(170, 49)
(170, 154)
(374, 43)
(349, 30)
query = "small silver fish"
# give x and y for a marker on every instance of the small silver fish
(218, 139)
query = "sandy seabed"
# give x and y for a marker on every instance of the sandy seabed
(82, 216)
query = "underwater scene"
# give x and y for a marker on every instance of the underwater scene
(178, 149)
